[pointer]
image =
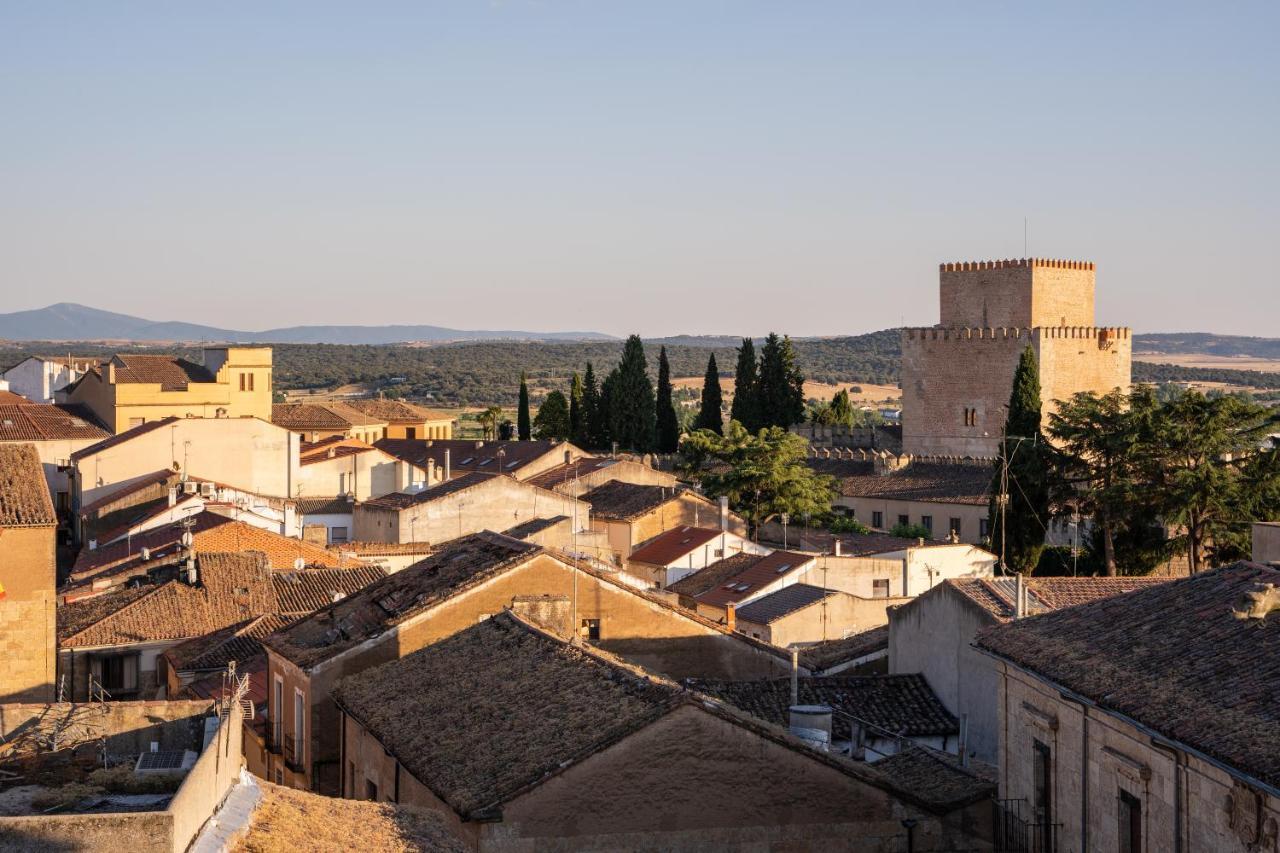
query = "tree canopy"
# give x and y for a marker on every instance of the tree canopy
(711, 414)
(553, 418)
(666, 423)
(1019, 509)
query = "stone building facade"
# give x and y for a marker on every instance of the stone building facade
(28, 614)
(956, 376)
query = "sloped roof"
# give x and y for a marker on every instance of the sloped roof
(333, 447)
(666, 548)
(397, 411)
(145, 482)
(240, 643)
(893, 704)
(403, 500)
(525, 529)
(466, 455)
(999, 596)
(307, 591)
(567, 472)
(24, 494)
(935, 482)
(47, 422)
(1173, 656)
(382, 605)
(170, 372)
(741, 579)
(621, 501)
(788, 600)
(333, 505)
(121, 438)
(826, 655)
(320, 416)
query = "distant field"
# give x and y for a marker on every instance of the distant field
(870, 394)
(1228, 362)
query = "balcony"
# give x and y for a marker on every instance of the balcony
(292, 755)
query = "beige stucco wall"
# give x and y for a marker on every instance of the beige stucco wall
(622, 471)
(1096, 755)
(28, 614)
(833, 618)
(971, 516)
(54, 455)
(645, 632)
(370, 474)
(245, 453)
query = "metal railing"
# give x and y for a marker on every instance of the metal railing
(1016, 834)
(292, 757)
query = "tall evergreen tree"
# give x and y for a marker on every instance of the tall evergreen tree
(780, 383)
(552, 421)
(608, 390)
(841, 408)
(575, 408)
(711, 415)
(1019, 508)
(746, 400)
(592, 432)
(523, 427)
(632, 407)
(667, 424)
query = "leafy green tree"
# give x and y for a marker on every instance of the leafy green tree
(711, 415)
(592, 431)
(1203, 468)
(746, 393)
(842, 408)
(667, 424)
(489, 420)
(522, 412)
(553, 418)
(912, 531)
(575, 407)
(780, 385)
(763, 474)
(632, 407)
(1019, 509)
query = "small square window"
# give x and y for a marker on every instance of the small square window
(904, 520)
(590, 629)
(880, 588)
(926, 521)
(877, 520)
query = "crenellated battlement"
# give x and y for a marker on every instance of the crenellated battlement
(1006, 333)
(887, 462)
(1013, 263)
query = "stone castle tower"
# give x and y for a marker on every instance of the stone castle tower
(956, 376)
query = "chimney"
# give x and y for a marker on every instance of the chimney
(812, 724)
(173, 495)
(111, 373)
(1020, 597)
(838, 548)
(568, 457)
(193, 575)
(431, 471)
(448, 466)
(731, 616)
(724, 513)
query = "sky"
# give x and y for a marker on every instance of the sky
(652, 167)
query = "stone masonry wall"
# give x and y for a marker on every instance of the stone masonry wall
(28, 614)
(1023, 293)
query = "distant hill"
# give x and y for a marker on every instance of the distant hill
(68, 321)
(1204, 343)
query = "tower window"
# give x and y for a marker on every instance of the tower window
(970, 417)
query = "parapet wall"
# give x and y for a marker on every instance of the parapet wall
(1015, 263)
(1006, 333)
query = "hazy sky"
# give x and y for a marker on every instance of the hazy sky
(707, 167)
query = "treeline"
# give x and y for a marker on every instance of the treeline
(1157, 374)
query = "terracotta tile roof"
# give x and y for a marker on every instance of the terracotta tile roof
(210, 533)
(331, 448)
(320, 416)
(240, 643)
(382, 605)
(565, 473)
(335, 505)
(142, 483)
(232, 588)
(998, 596)
(383, 549)
(826, 655)
(121, 438)
(24, 494)
(1172, 656)
(465, 455)
(305, 592)
(729, 584)
(937, 777)
(211, 686)
(47, 422)
(620, 501)
(788, 600)
(893, 704)
(8, 398)
(665, 548)
(558, 704)
(397, 411)
(170, 372)
(401, 500)
(920, 481)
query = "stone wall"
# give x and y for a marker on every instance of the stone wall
(207, 783)
(137, 832)
(1022, 293)
(28, 614)
(130, 727)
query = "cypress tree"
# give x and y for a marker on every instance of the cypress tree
(668, 426)
(780, 383)
(575, 408)
(711, 417)
(592, 434)
(746, 402)
(523, 426)
(1019, 530)
(632, 407)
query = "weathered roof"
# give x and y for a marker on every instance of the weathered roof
(29, 421)
(240, 643)
(528, 528)
(665, 548)
(998, 596)
(466, 455)
(24, 494)
(320, 416)
(1172, 656)
(935, 482)
(741, 579)
(893, 704)
(397, 411)
(382, 605)
(621, 501)
(403, 500)
(309, 590)
(170, 372)
(121, 438)
(333, 447)
(823, 656)
(333, 505)
(557, 703)
(155, 478)
(937, 777)
(784, 602)
(866, 545)
(567, 472)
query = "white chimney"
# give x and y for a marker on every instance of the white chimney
(568, 457)
(1019, 598)
(812, 724)
(431, 472)
(173, 495)
(193, 576)
(724, 512)
(838, 547)
(448, 466)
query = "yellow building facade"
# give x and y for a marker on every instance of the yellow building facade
(131, 389)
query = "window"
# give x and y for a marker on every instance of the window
(276, 712)
(118, 674)
(903, 520)
(926, 521)
(246, 381)
(718, 552)
(880, 588)
(1129, 830)
(337, 535)
(954, 527)
(370, 790)
(409, 432)
(64, 501)
(136, 422)
(1042, 789)
(970, 417)
(591, 629)
(877, 519)
(299, 726)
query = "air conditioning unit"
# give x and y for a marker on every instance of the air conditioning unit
(189, 487)
(207, 490)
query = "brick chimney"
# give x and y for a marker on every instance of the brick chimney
(731, 617)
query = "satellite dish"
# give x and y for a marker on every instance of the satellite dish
(299, 564)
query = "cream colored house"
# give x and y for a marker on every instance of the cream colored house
(351, 468)
(56, 432)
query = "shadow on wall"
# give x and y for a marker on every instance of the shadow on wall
(713, 657)
(21, 841)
